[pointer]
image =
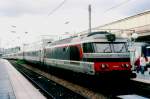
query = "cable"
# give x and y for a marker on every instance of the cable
(116, 6)
(55, 9)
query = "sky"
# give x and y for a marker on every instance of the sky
(26, 21)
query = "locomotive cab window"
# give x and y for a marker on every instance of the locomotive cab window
(109, 47)
(119, 47)
(148, 51)
(88, 48)
(105, 47)
(102, 48)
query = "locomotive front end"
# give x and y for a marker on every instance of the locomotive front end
(109, 57)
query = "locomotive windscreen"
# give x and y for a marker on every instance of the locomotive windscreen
(105, 47)
(148, 51)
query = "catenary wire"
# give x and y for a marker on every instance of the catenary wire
(55, 9)
(116, 6)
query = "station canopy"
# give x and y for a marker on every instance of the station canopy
(143, 38)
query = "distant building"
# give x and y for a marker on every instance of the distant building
(11, 50)
(1, 51)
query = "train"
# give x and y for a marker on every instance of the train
(94, 54)
(139, 48)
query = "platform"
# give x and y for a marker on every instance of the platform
(131, 97)
(145, 78)
(14, 85)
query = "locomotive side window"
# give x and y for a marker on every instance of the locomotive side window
(58, 53)
(88, 48)
(74, 53)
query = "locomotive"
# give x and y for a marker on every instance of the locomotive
(96, 53)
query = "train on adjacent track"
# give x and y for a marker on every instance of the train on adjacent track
(138, 49)
(98, 53)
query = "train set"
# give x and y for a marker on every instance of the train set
(96, 53)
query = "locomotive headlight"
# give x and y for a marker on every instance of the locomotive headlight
(127, 65)
(107, 65)
(103, 65)
(122, 65)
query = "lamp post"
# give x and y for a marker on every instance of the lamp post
(23, 49)
(134, 36)
(65, 33)
(14, 30)
(19, 39)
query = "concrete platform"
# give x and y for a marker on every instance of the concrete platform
(14, 85)
(145, 78)
(131, 97)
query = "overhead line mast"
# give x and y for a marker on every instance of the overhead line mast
(89, 9)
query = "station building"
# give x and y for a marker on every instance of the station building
(139, 24)
(11, 50)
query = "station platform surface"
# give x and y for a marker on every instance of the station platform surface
(131, 97)
(145, 78)
(14, 85)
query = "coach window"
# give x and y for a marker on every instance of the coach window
(48, 53)
(64, 49)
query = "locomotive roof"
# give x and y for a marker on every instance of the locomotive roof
(91, 37)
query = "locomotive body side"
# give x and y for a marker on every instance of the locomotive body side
(68, 57)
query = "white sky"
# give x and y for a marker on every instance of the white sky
(32, 16)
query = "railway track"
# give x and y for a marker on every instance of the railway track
(142, 88)
(107, 91)
(48, 87)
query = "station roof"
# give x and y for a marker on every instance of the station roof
(143, 38)
(127, 18)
